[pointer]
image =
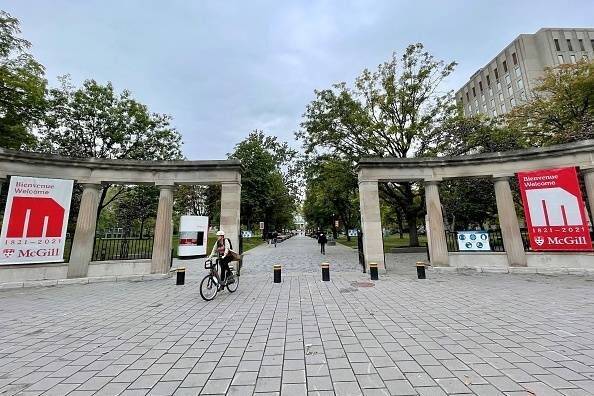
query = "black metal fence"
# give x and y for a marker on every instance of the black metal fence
(128, 248)
(495, 240)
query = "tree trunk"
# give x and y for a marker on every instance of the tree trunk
(400, 225)
(411, 219)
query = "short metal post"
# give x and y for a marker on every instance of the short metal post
(373, 271)
(420, 270)
(277, 273)
(181, 276)
(325, 272)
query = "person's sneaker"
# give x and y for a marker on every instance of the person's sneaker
(231, 279)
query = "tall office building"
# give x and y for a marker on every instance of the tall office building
(509, 78)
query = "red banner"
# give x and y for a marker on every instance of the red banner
(555, 212)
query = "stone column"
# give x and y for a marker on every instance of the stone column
(230, 212)
(508, 222)
(84, 236)
(163, 231)
(371, 224)
(437, 245)
(589, 181)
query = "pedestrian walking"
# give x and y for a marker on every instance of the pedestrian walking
(322, 240)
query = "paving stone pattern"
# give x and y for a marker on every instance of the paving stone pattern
(484, 334)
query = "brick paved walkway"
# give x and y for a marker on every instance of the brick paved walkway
(485, 334)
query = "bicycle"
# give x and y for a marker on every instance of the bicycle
(211, 283)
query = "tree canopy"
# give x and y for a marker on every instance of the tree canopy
(268, 185)
(561, 108)
(22, 87)
(388, 112)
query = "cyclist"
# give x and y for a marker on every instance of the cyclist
(221, 250)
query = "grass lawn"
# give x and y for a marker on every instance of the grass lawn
(390, 241)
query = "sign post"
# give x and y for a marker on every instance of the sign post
(35, 220)
(554, 210)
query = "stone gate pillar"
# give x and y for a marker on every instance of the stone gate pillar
(84, 236)
(438, 248)
(163, 231)
(371, 224)
(230, 212)
(508, 222)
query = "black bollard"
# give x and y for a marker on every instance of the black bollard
(373, 271)
(420, 270)
(325, 272)
(277, 273)
(181, 276)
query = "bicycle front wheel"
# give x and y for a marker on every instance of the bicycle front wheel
(208, 288)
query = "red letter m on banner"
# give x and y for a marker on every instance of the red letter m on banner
(30, 216)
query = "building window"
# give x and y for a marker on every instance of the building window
(569, 46)
(473, 92)
(476, 103)
(560, 59)
(497, 73)
(482, 97)
(498, 86)
(492, 103)
(467, 97)
(504, 66)
(469, 109)
(592, 44)
(521, 84)
(557, 46)
(515, 58)
(510, 90)
(507, 79)
(572, 57)
(501, 97)
(512, 102)
(581, 45)
(518, 71)
(502, 108)
(488, 81)
(481, 86)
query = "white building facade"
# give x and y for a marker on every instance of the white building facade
(509, 78)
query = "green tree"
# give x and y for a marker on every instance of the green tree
(136, 205)
(388, 112)
(561, 108)
(96, 121)
(22, 87)
(331, 193)
(267, 181)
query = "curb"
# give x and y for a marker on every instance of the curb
(82, 281)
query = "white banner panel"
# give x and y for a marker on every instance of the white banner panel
(35, 220)
(473, 240)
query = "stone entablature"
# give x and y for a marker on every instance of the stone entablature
(499, 166)
(93, 172)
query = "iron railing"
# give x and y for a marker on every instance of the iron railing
(495, 240)
(129, 248)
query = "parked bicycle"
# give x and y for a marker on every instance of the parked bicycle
(211, 284)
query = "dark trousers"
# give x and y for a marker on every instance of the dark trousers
(323, 248)
(224, 262)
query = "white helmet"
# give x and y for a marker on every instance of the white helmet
(221, 233)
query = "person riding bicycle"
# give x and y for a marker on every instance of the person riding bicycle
(221, 250)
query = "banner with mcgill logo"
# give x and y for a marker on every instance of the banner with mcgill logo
(35, 220)
(555, 213)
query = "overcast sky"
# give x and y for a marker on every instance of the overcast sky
(223, 68)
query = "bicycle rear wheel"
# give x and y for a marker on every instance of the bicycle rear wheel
(208, 288)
